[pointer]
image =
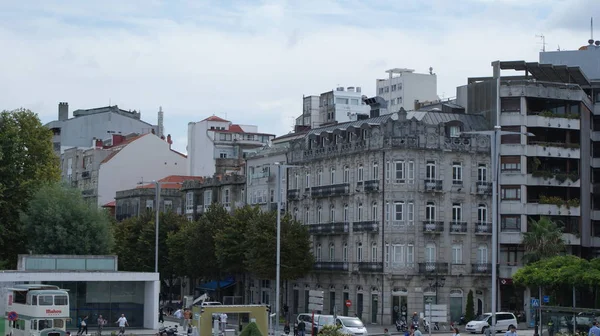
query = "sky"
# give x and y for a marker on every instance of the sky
(252, 61)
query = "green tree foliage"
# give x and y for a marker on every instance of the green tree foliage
(27, 160)
(332, 330)
(231, 243)
(59, 221)
(470, 312)
(543, 240)
(296, 256)
(251, 330)
(135, 242)
(567, 270)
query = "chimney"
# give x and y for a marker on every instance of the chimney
(169, 140)
(117, 139)
(99, 143)
(63, 111)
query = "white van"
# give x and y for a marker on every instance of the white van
(351, 326)
(482, 322)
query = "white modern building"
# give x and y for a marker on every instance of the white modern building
(336, 106)
(86, 125)
(404, 86)
(217, 146)
(95, 285)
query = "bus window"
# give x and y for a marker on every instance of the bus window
(34, 300)
(44, 324)
(61, 300)
(45, 300)
(20, 324)
(33, 324)
(20, 297)
(59, 323)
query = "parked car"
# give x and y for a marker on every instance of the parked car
(351, 326)
(482, 322)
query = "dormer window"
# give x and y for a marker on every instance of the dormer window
(454, 131)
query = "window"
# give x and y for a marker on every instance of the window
(456, 212)
(359, 212)
(168, 205)
(61, 300)
(306, 216)
(482, 254)
(430, 171)
(388, 166)
(510, 164)
(510, 223)
(456, 173)
(332, 213)
(482, 214)
(346, 174)
(307, 182)
(149, 204)
(387, 254)
(331, 252)
(296, 181)
(332, 175)
(374, 252)
(410, 254)
(511, 138)
(387, 211)
(207, 198)
(374, 211)
(360, 173)
(399, 167)
(399, 212)
(457, 254)
(454, 131)
(45, 300)
(394, 87)
(511, 193)
(296, 214)
(410, 213)
(318, 252)
(319, 178)
(430, 256)
(345, 252)
(319, 215)
(410, 171)
(430, 211)
(222, 155)
(375, 172)
(398, 254)
(345, 213)
(189, 201)
(482, 172)
(359, 252)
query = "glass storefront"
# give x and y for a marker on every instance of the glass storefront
(109, 299)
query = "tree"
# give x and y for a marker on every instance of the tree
(543, 240)
(230, 240)
(332, 330)
(59, 221)
(251, 330)
(27, 161)
(296, 256)
(135, 242)
(470, 313)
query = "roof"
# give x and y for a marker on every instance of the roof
(549, 72)
(110, 204)
(172, 182)
(471, 121)
(120, 146)
(236, 128)
(215, 118)
(352, 124)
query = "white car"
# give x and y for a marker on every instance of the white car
(482, 322)
(351, 326)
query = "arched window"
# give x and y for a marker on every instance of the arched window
(374, 254)
(318, 252)
(359, 252)
(331, 252)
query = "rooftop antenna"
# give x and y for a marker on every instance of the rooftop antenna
(543, 38)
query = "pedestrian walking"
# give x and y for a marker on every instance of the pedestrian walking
(83, 326)
(101, 322)
(594, 330)
(512, 330)
(301, 328)
(455, 331)
(187, 318)
(122, 322)
(161, 315)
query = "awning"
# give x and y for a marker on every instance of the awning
(213, 285)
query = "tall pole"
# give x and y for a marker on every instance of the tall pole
(495, 151)
(157, 209)
(278, 258)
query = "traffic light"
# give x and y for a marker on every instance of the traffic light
(268, 308)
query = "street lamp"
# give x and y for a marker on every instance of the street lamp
(436, 283)
(280, 167)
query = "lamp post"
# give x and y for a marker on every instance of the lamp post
(436, 282)
(280, 167)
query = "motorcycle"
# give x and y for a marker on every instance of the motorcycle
(167, 331)
(425, 325)
(401, 325)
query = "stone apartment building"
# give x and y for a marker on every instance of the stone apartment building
(399, 208)
(228, 190)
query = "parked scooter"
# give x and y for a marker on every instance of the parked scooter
(167, 331)
(401, 325)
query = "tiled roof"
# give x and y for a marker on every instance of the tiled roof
(215, 118)
(172, 182)
(120, 146)
(110, 204)
(235, 128)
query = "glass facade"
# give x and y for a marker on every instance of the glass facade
(109, 299)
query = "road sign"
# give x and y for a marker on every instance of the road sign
(314, 306)
(546, 298)
(13, 316)
(436, 313)
(316, 293)
(348, 303)
(535, 302)
(315, 300)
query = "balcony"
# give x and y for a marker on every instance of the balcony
(433, 185)
(481, 268)
(483, 228)
(293, 194)
(373, 267)
(329, 228)
(458, 227)
(433, 267)
(372, 186)
(553, 149)
(433, 226)
(483, 188)
(554, 206)
(365, 226)
(330, 266)
(553, 120)
(330, 190)
(548, 177)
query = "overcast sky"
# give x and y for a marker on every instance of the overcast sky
(251, 61)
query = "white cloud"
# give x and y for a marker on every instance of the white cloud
(254, 62)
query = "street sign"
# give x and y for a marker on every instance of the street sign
(316, 293)
(535, 302)
(314, 306)
(348, 303)
(315, 300)
(13, 316)
(436, 313)
(546, 298)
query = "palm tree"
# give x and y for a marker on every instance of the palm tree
(542, 240)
